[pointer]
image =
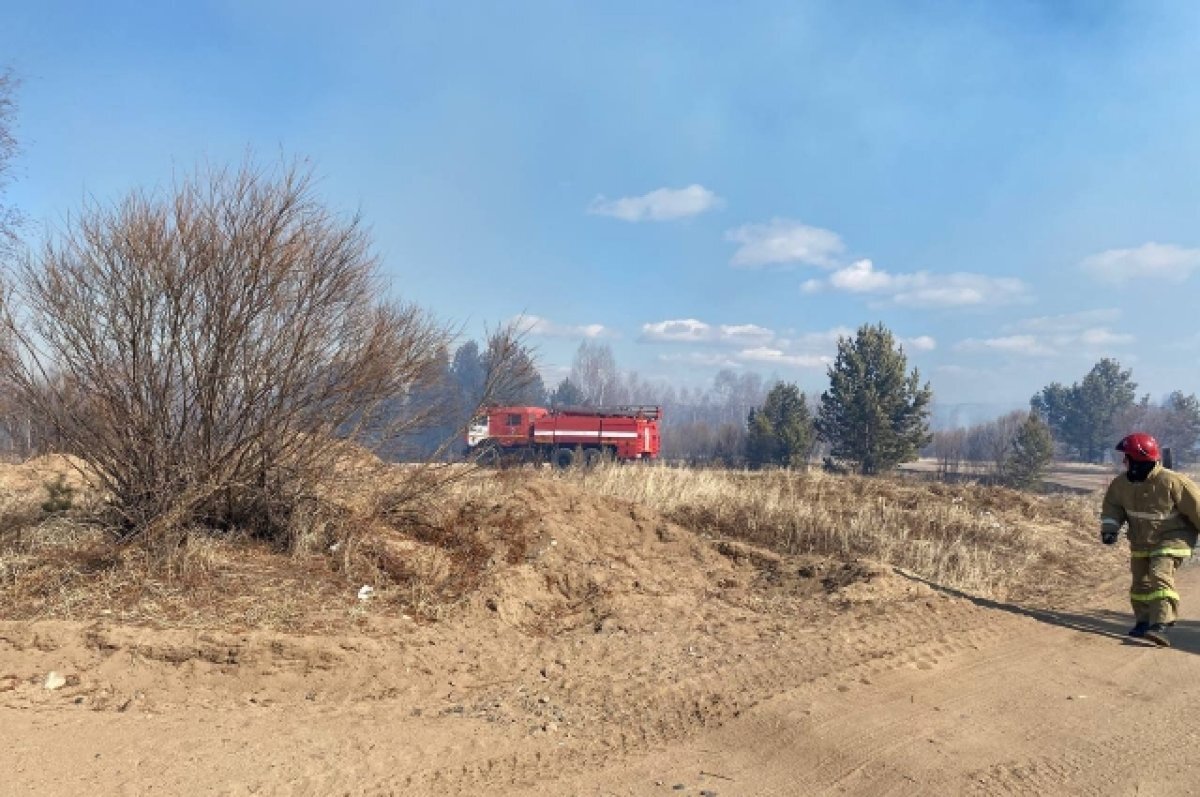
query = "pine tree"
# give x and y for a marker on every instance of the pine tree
(470, 375)
(1183, 412)
(513, 376)
(567, 394)
(1085, 416)
(1105, 393)
(874, 415)
(1030, 455)
(780, 432)
(1054, 406)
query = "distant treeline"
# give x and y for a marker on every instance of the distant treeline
(1085, 420)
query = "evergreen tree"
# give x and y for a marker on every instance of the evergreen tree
(1054, 406)
(1183, 414)
(780, 432)
(1029, 455)
(470, 375)
(567, 394)
(1086, 416)
(438, 402)
(1105, 393)
(516, 381)
(874, 414)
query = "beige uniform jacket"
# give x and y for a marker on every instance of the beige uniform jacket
(1163, 512)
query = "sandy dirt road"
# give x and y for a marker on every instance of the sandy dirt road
(926, 694)
(1039, 703)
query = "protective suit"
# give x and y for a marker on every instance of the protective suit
(1162, 508)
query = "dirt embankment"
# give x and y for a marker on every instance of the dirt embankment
(602, 649)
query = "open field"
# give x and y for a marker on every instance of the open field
(624, 631)
(1079, 477)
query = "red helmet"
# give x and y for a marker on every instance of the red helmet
(1140, 447)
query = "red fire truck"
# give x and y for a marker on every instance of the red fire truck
(565, 436)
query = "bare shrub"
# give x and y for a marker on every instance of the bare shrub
(199, 350)
(10, 219)
(992, 442)
(948, 448)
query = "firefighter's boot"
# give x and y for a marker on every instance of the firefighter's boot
(1157, 634)
(1139, 630)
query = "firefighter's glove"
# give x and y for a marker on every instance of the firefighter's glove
(1108, 537)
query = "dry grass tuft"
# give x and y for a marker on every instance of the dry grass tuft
(989, 541)
(65, 569)
(421, 557)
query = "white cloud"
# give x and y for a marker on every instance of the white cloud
(1148, 261)
(707, 359)
(744, 334)
(1086, 331)
(1026, 345)
(1069, 322)
(544, 327)
(755, 345)
(691, 330)
(946, 296)
(783, 241)
(920, 343)
(553, 374)
(771, 356)
(825, 340)
(1104, 337)
(1061, 339)
(682, 330)
(663, 204)
(960, 289)
(923, 289)
(861, 277)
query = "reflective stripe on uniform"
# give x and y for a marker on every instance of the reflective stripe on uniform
(1157, 595)
(1182, 553)
(1152, 515)
(1108, 521)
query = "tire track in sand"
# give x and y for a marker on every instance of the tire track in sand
(1015, 706)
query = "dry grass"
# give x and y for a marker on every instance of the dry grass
(62, 568)
(432, 554)
(425, 557)
(988, 541)
(421, 557)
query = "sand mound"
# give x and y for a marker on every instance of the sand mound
(561, 630)
(598, 562)
(588, 561)
(33, 474)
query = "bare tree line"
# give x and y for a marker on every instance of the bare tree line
(982, 448)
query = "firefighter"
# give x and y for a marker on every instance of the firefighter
(1162, 508)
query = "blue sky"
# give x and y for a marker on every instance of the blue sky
(1010, 186)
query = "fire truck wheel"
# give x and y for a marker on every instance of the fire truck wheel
(564, 458)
